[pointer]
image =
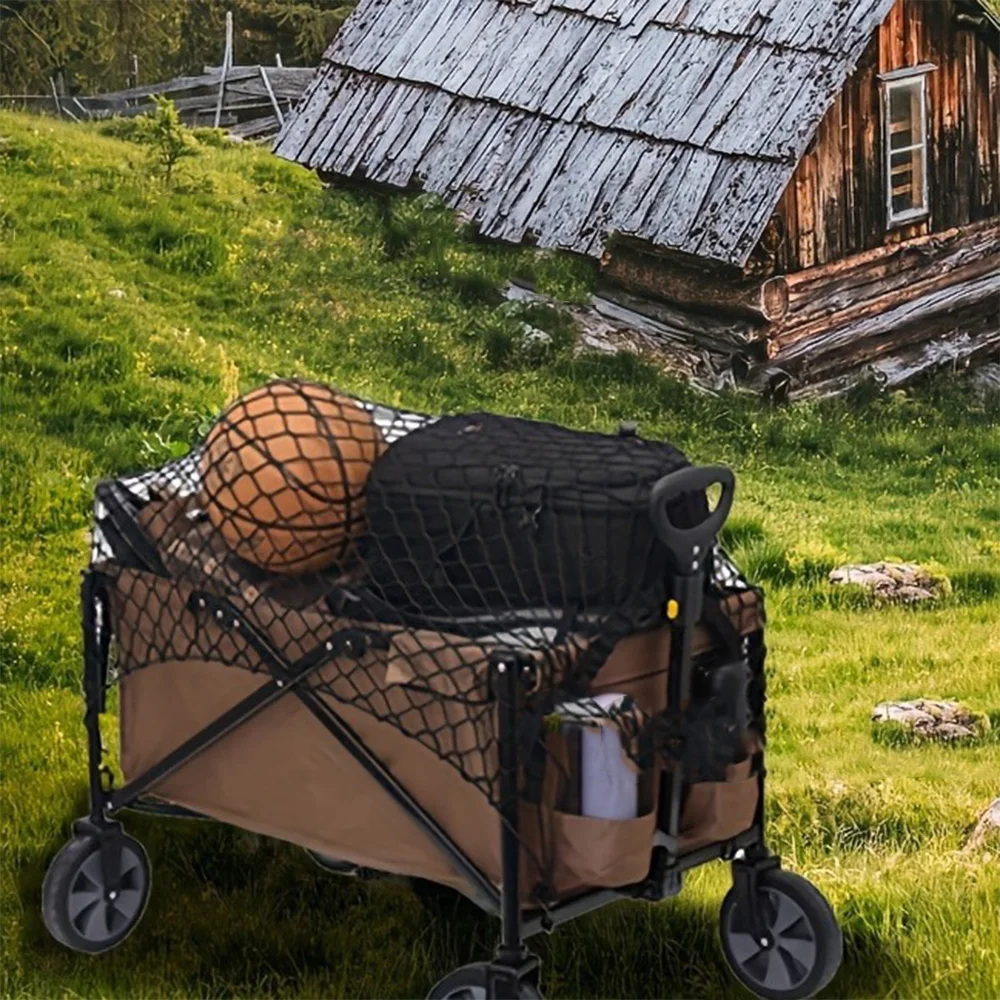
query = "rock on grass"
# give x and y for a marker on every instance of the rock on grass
(898, 583)
(924, 719)
(987, 827)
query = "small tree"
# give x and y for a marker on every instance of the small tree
(170, 141)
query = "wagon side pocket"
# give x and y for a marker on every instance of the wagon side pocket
(715, 811)
(567, 851)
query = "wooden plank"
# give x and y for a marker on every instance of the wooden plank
(555, 142)
(176, 85)
(804, 113)
(255, 128)
(591, 50)
(646, 60)
(546, 215)
(636, 200)
(507, 29)
(343, 115)
(805, 196)
(573, 222)
(424, 63)
(270, 94)
(790, 113)
(297, 137)
(713, 88)
(370, 33)
(659, 319)
(405, 159)
(595, 78)
(685, 196)
(665, 101)
(457, 141)
(483, 169)
(556, 58)
(347, 84)
(520, 75)
(750, 62)
(364, 120)
(505, 175)
(605, 209)
(741, 219)
(399, 124)
(807, 284)
(742, 129)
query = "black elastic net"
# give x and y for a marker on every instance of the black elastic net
(407, 553)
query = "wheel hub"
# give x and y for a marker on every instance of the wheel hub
(98, 913)
(783, 957)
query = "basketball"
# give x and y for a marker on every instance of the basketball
(283, 474)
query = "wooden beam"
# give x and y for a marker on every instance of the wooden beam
(880, 292)
(695, 288)
(814, 290)
(909, 322)
(179, 83)
(961, 346)
(270, 94)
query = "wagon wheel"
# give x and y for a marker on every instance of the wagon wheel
(470, 983)
(79, 909)
(801, 949)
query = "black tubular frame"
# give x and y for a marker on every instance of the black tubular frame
(510, 677)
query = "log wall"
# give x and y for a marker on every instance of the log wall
(889, 307)
(835, 205)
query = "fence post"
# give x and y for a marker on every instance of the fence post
(60, 110)
(227, 61)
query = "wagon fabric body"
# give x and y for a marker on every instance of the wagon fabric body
(447, 746)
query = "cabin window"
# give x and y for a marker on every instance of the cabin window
(906, 146)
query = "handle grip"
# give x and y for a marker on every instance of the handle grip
(683, 542)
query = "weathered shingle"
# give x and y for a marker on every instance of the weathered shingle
(675, 121)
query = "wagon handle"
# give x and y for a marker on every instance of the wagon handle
(688, 545)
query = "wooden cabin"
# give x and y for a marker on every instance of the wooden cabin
(823, 173)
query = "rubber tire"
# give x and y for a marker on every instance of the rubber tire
(826, 935)
(58, 885)
(467, 983)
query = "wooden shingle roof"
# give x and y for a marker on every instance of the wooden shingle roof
(566, 121)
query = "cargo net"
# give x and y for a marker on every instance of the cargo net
(390, 557)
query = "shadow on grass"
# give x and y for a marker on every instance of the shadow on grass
(232, 913)
(235, 914)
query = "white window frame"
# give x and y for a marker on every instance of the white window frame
(891, 82)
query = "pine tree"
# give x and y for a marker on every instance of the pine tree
(89, 45)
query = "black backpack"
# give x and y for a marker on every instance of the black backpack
(489, 514)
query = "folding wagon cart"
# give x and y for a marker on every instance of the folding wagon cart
(518, 653)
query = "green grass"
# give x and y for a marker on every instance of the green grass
(131, 313)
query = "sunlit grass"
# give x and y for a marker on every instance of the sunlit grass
(130, 313)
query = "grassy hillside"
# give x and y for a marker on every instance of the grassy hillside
(131, 313)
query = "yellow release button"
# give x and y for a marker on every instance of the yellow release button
(673, 609)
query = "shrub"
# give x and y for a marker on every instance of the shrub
(162, 131)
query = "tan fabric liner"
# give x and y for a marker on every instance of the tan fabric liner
(283, 775)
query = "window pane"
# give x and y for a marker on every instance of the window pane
(906, 125)
(906, 172)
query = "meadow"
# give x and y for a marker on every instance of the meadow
(131, 311)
